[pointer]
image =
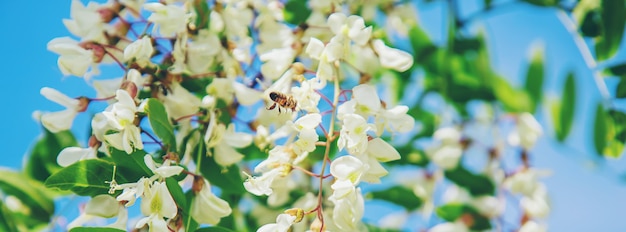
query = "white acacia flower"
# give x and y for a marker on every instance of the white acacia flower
(306, 94)
(348, 211)
(450, 227)
(132, 191)
(224, 141)
(276, 62)
(164, 170)
(206, 208)
(141, 50)
(536, 205)
(326, 54)
(202, 51)
(529, 130)
(447, 150)
(532, 226)
(86, 22)
(352, 27)
(70, 155)
(261, 185)
(377, 151)
(395, 119)
(101, 206)
(169, 19)
(283, 223)
(121, 117)
(364, 102)
(353, 134)
(524, 182)
(179, 101)
(157, 203)
(73, 59)
(60, 120)
(347, 171)
(228, 88)
(391, 57)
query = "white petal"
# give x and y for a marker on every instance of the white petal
(309, 121)
(347, 167)
(336, 21)
(382, 150)
(393, 58)
(226, 155)
(70, 155)
(246, 96)
(314, 48)
(58, 121)
(366, 95)
(60, 98)
(102, 206)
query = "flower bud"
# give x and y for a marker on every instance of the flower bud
(297, 212)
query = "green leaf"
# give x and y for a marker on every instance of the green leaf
(613, 22)
(190, 223)
(7, 222)
(616, 134)
(85, 177)
(453, 211)
(177, 193)
(542, 2)
(512, 99)
(421, 43)
(42, 161)
(600, 124)
(476, 184)
(591, 24)
(399, 195)
(534, 79)
(620, 91)
(160, 123)
(373, 228)
(130, 166)
(228, 179)
(616, 70)
(202, 11)
(296, 12)
(214, 229)
(30, 192)
(94, 229)
(566, 109)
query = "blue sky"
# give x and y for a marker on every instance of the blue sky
(586, 194)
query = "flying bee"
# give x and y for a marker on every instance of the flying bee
(283, 101)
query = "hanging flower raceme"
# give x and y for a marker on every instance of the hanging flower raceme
(447, 150)
(157, 203)
(205, 206)
(73, 58)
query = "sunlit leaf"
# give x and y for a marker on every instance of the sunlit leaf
(512, 99)
(534, 79)
(130, 166)
(42, 161)
(201, 8)
(566, 109)
(30, 192)
(160, 122)
(7, 222)
(85, 177)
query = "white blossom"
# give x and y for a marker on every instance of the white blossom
(60, 120)
(169, 19)
(141, 50)
(73, 59)
(206, 208)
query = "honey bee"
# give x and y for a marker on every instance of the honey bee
(283, 101)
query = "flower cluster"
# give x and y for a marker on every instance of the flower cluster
(229, 105)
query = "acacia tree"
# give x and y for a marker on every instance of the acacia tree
(269, 115)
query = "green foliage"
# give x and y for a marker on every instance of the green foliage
(42, 161)
(202, 11)
(227, 178)
(609, 132)
(94, 229)
(130, 166)
(296, 12)
(214, 229)
(399, 195)
(534, 80)
(453, 211)
(32, 195)
(563, 112)
(160, 123)
(476, 184)
(543, 2)
(613, 23)
(85, 177)
(7, 222)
